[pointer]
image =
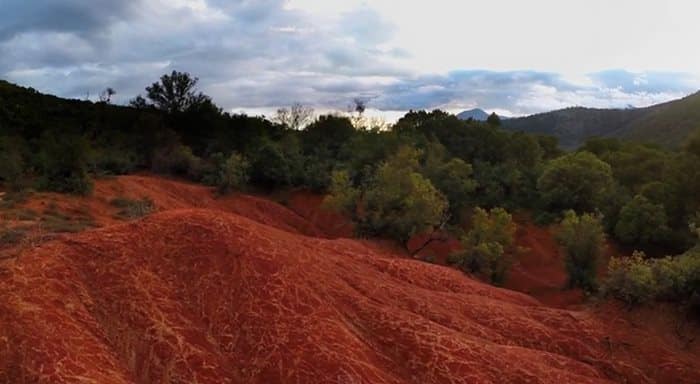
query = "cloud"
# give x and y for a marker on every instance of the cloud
(259, 55)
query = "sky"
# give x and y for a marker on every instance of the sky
(513, 57)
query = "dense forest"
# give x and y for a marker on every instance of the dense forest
(430, 171)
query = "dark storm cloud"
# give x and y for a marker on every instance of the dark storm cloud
(262, 54)
(76, 16)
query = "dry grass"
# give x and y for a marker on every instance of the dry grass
(133, 208)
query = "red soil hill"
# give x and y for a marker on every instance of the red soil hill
(256, 296)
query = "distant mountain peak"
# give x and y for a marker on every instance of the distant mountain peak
(475, 114)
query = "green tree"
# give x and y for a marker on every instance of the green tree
(400, 202)
(487, 244)
(582, 238)
(232, 174)
(494, 120)
(175, 92)
(454, 179)
(342, 195)
(578, 181)
(642, 222)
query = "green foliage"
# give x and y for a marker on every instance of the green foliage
(578, 181)
(12, 164)
(630, 279)
(109, 161)
(232, 174)
(64, 162)
(487, 244)
(637, 280)
(454, 179)
(582, 239)
(276, 164)
(177, 160)
(342, 195)
(642, 222)
(400, 202)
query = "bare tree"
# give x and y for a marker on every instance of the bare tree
(359, 106)
(106, 95)
(296, 117)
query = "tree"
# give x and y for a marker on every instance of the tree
(342, 195)
(296, 117)
(106, 95)
(175, 92)
(487, 244)
(139, 102)
(232, 174)
(494, 120)
(641, 222)
(400, 202)
(578, 181)
(276, 163)
(582, 238)
(454, 179)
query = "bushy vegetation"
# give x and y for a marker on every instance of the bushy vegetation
(424, 173)
(638, 279)
(488, 245)
(582, 239)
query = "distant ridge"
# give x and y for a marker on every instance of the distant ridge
(667, 124)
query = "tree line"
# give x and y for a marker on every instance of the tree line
(428, 171)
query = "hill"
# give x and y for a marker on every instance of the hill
(667, 124)
(475, 114)
(232, 292)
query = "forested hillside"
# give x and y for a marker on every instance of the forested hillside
(668, 124)
(428, 172)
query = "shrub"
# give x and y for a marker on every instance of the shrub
(177, 160)
(115, 162)
(636, 279)
(232, 174)
(64, 163)
(342, 195)
(12, 235)
(11, 163)
(582, 238)
(631, 279)
(487, 244)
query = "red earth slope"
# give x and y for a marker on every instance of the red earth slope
(244, 290)
(205, 296)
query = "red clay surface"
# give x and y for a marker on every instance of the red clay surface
(243, 290)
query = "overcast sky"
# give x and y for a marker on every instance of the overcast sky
(511, 56)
